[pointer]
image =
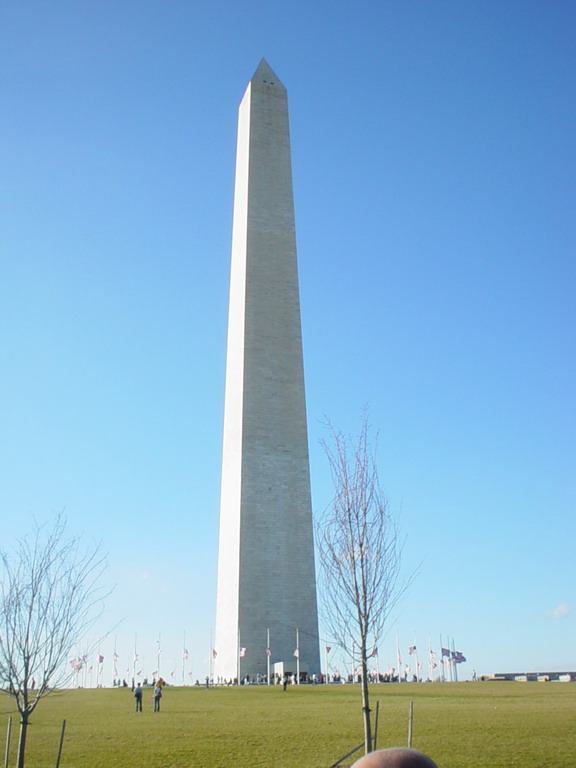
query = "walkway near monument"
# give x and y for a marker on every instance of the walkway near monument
(266, 602)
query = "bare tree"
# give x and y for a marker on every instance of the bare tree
(49, 599)
(359, 555)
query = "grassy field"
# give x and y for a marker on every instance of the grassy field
(461, 725)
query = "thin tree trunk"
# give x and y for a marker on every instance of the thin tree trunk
(22, 740)
(366, 707)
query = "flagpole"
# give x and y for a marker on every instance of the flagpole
(441, 662)
(455, 663)
(398, 657)
(417, 659)
(183, 656)
(210, 660)
(442, 677)
(135, 660)
(238, 659)
(268, 655)
(297, 657)
(100, 670)
(158, 656)
(326, 662)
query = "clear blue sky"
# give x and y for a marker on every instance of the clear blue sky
(434, 172)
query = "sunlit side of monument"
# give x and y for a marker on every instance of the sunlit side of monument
(266, 602)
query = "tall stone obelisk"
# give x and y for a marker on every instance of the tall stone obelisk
(266, 574)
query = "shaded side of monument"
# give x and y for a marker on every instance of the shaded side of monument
(266, 603)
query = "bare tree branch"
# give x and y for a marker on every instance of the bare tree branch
(360, 554)
(50, 596)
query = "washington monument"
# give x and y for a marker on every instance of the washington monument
(266, 605)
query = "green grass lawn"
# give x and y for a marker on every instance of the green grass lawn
(461, 725)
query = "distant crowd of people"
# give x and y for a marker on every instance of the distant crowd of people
(275, 679)
(291, 679)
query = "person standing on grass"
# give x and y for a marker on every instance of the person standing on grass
(157, 697)
(138, 697)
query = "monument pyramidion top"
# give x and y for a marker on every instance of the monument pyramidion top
(265, 74)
